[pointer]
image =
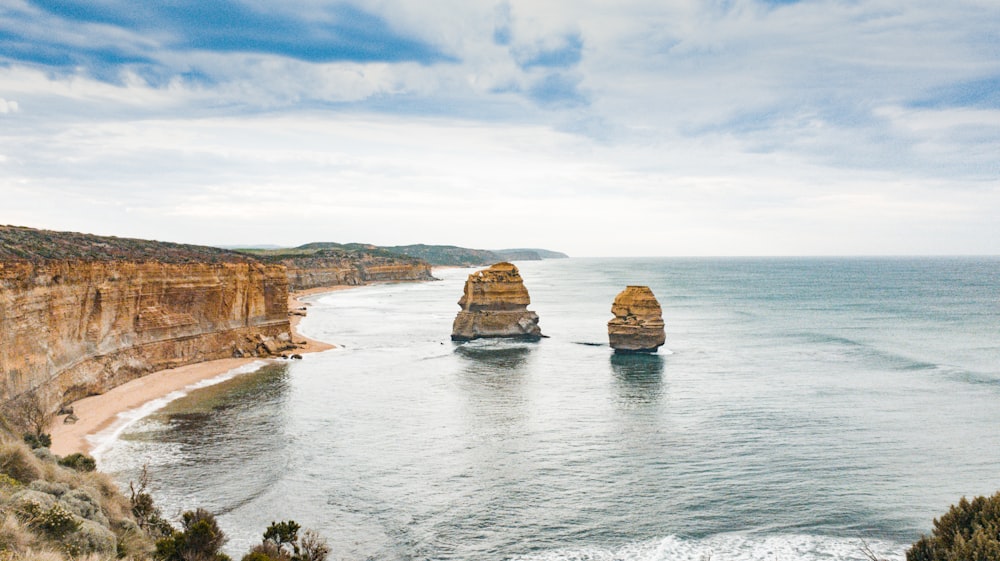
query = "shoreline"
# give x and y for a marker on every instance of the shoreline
(98, 413)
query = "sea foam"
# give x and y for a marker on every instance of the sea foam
(730, 547)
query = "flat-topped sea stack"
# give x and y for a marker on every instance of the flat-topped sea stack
(495, 305)
(638, 323)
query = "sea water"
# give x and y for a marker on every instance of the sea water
(799, 409)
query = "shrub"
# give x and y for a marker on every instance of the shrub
(91, 537)
(84, 504)
(147, 515)
(314, 547)
(283, 533)
(40, 440)
(55, 521)
(49, 487)
(31, 414)
(200, 540)
(969, 530)
(311, 547)
(79, 462)
(266, 551)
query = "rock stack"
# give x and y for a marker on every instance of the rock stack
(495, 305)
(638, 323)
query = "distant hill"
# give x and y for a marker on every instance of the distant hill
(448, 255)
(437, 255)
(529, 254)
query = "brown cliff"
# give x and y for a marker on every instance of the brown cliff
(638, 323)
(338, 267)
(494, 304)
(80, 317)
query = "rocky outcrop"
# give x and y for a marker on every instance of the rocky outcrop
(495, 305)
(638, 323)
(71, 327)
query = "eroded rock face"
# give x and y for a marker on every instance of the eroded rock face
(638, 323)
(72, 328)
(334, 268)
(495, 305)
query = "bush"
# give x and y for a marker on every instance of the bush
(147, 515)
(91, 537)
(40, 440)
(200, 540)
(283, 533)
(54, 521)
(282, 543)
(79, 462)
(968, 531)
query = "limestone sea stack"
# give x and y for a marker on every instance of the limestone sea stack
(495, 304)
(638, 323)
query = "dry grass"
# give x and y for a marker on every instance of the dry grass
(17, 461)
(18, 467)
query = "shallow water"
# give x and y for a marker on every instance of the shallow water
(799, 407)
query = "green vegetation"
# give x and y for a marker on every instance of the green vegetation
(969, 531)
(437, 255)
(79, 462)
(326, 251)
(282, 543)
(199, 540)
(449, 255)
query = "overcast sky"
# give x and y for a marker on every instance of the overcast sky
(636, 127)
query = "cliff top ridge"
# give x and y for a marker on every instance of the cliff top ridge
(22, 244)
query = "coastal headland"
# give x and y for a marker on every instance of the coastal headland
(105, 324)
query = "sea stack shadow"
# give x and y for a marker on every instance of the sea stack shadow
(639, 376)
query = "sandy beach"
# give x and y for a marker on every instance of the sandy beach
(98, 412)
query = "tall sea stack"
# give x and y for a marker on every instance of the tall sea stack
(638, 323)
(495, 305)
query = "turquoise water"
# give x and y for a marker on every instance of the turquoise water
(799, 407)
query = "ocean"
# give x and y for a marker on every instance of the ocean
(799, 409)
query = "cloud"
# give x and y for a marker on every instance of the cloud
(743, 122)
(8, 106)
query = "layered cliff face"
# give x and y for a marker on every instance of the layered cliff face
(494, 304)
(330, 267)
(638, 323)
(71, 328)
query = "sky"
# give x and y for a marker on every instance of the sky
(597, 128)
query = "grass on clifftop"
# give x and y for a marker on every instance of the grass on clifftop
(19, 244)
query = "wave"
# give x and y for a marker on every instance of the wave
(105, 439)
(731, 547)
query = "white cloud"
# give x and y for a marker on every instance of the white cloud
(8, 106)
(708, 128)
